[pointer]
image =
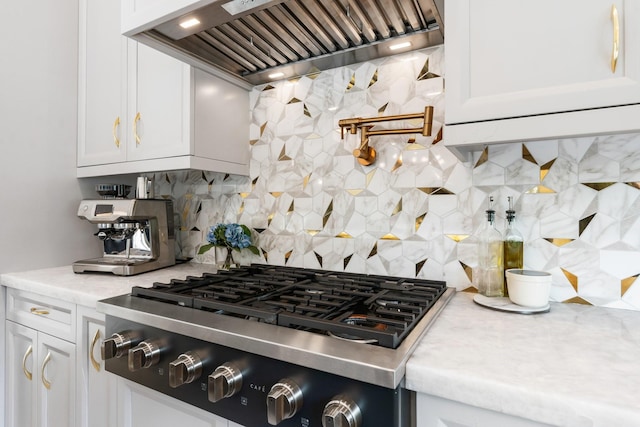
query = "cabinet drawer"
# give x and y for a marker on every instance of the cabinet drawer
(49, 315)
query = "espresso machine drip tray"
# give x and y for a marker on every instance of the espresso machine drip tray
(118, 266)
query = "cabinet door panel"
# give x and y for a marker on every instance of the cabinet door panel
(21, 355)
(57, 370)
(102, 89)
(162, 97)
(510, 59)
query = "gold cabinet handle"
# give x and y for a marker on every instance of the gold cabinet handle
(115, 134)
(135, 127)
(616, 38)
(47, 359)
(39, 311)
(27, 374)
(93, 360)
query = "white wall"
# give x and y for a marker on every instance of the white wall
(39, 193)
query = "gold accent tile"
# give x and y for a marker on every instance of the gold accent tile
(540, 189)
(370, 176)
(269, 219)
(244, 195)
(306, 111)
(355, 191)
(584, 223)
(419, 220)
(468, 271)
(425, 73)
(484, 157)
(253, 141)
(352, 83)
(283, 154)
(457, 237)
(398, 164)
(305, 181)
(526, 155)
(634, 184)
(268, 87)
(241, 208)
(345, 261)
(577, 300)
(344, 235)
(398, 208)
(318, 257)
(544, 169)
(374, 251)
(374, 78)
(254, 182)
(419, 266)
(412, 146)
(276, 194)
(428, 190)
(598, 185)
(287, 256)
(263, 127)
(558, 242)
(383, 108)
(327, 214)
(625, 284)
(294, 79)
(312, 232)
(294, 100)
(291, 207)
(266, 255)
(389, 236)
(573, 279)
(442, 192)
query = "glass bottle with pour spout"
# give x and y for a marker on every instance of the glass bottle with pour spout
(513, 243)
(490, 280)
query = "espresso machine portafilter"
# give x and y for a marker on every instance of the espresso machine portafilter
(137, 235)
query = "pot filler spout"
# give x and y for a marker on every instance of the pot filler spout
(254, 42)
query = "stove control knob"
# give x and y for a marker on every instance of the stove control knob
(224, 382)
(118, 344)
(186, 368)
(283, 401)
(145, 354)
(341, 412)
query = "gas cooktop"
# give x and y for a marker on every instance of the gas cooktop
(379, 310)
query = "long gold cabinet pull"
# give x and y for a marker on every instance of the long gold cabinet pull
(27, 374)
(116, 124)
(136, 119)
(616, 38)
(46, 361)
(39, 311)
(92, 359)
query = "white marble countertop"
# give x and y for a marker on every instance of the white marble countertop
(87, 288)
(576, 365)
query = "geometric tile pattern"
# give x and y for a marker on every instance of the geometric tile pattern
(415, 211)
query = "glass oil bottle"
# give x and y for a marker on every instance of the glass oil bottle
(490, 281)
(513, 243)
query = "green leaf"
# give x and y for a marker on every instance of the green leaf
(204, 248)
(253, 250)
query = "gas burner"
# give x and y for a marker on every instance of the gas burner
(359, 320)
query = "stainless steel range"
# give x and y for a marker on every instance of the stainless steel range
(266, 345)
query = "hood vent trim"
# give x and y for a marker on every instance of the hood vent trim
(298, 37)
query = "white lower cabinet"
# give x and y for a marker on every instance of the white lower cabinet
(40, 371)
(432, 411)
(139, 406)
(96, 387)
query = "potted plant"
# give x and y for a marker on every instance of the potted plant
(233, 237)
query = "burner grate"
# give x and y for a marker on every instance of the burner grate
(374, 309)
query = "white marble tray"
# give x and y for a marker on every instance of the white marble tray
(505, 304)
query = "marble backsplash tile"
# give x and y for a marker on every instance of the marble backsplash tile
(414, 212)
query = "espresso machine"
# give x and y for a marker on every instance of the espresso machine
(137, 234)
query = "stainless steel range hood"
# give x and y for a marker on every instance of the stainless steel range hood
(252, 39)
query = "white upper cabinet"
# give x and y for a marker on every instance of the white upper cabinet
(508, 63)
(138, 107)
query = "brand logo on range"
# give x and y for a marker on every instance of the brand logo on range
(259, 388)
